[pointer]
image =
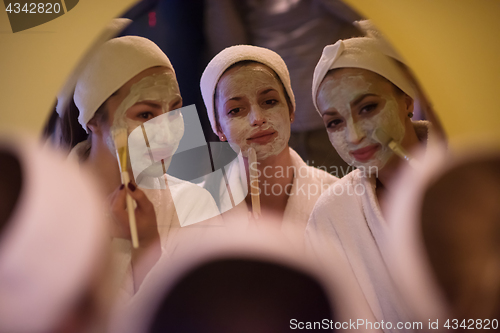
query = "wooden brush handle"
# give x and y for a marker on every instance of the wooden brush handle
(254, 182)
(131, 212)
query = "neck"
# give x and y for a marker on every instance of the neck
(274, 176)
(103, 164)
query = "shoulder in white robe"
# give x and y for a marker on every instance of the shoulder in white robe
(185, 213)
(308, 184)
(347, 219)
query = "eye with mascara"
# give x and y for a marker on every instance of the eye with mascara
(145, 115)
(271, 102)
(334, 124)
(368, 108)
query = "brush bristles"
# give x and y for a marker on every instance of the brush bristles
(122, 158)
(381, 136)
(120, 139)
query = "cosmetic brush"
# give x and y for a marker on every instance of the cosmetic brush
(254, 182)
(120, 139)
(385, 139)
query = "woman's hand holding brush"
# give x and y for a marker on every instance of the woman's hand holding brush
(147, 229)
(145, 256)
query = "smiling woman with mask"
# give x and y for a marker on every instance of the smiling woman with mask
(250, 104)
(128, 84)
(359, 91)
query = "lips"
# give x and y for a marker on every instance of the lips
(263, 136)
(365, 153)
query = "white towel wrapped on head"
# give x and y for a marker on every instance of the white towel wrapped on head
(359, 52)
(232, 55)
(112, 65)
(66, 93)
(371, 31)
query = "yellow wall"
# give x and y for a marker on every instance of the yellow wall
(35, 63)
(452, 45)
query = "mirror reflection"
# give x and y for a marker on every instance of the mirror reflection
(257, 165)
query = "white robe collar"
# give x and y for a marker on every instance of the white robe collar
(307, 186)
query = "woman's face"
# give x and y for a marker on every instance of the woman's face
(145, 110)
(145, 106)
(353, 103)
(253, 111)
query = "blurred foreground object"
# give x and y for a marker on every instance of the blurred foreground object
(250, 283)
(445, 221)
(51, 240)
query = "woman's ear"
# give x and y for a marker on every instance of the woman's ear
(291, 111)
(221, 135)
(93, 126)
(100, 119)
(408, 103)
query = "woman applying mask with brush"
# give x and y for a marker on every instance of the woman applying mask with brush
(250, 104)
(125, 85)
(366, 103)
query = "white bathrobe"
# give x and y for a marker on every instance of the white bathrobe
(174, 238)
(178, 225)
(347, 219)
(352, 225)
(308, 184)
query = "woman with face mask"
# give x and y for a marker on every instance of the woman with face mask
(359, 91)
(250, 104)
(128, 84)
